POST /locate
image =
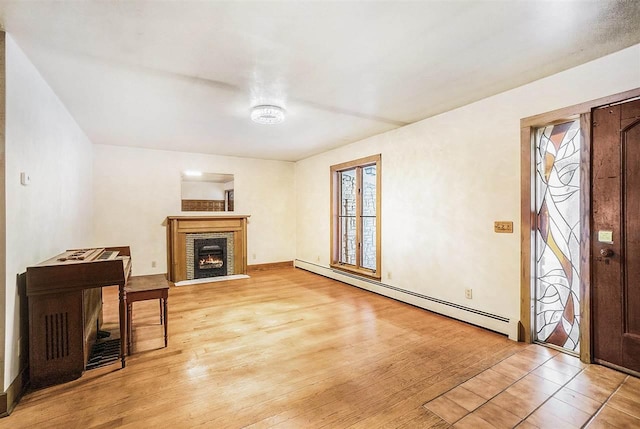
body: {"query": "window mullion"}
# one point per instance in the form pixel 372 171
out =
pixel 338 228
pixel 359 217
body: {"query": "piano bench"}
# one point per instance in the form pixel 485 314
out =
pixel 142 288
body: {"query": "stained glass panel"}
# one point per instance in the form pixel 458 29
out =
pixel 557 269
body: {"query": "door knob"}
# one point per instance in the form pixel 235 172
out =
pixel 607 253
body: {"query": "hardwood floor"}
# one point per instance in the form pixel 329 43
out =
pixel 542 388
pixel 285 348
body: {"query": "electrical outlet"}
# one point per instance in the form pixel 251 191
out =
pixel 468 293
pixel 318 258
pixel 153 264
pixel 253 256
pixel 388 275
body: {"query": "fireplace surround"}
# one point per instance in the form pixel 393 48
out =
pixel 229 233
pixel 216 248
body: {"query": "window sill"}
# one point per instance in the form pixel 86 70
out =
pixel 359 271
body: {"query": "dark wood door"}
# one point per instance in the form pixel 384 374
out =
pixel 615 248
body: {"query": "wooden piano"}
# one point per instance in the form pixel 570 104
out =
pixel 65 313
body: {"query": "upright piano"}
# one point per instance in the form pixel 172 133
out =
pixel 65 313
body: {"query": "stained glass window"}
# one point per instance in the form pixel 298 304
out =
pixel 557 242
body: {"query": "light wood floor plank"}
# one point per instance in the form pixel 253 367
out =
pixel 285 349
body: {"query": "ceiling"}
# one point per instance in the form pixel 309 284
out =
pixel 183 75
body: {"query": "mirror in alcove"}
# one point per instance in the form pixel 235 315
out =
pixel 206 192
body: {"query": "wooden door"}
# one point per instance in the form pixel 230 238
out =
pixel 615 243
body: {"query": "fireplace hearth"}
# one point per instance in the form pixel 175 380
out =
pixel 209 257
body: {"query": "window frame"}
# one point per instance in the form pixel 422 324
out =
pixel 358 165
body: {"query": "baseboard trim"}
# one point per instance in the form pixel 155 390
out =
pixel 493 322
pixel 10 398
pixel 269 266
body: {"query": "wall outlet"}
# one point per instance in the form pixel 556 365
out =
pixel 388 275
pixel 468 293
pixel 153 264
pixel 253 256
pixel 318 258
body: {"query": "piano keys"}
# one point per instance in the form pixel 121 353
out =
pixel 65 312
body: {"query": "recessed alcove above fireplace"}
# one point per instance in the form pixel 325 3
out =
pixel 206 246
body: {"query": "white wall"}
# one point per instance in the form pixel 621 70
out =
pixel 136 189
pixel 54 212
pixel 445 180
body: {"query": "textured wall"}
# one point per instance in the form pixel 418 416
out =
pixel 136 189
pixel 54 212
pixel 445 180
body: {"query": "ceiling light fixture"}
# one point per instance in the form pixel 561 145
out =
pixel 267 114
pixel 191 173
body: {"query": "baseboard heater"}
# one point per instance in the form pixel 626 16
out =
pixel 404 291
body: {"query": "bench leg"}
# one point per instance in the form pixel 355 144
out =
pixel 166 321
pixel 129 327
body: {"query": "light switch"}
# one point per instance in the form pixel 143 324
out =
pixel 25 179
pixel 503 226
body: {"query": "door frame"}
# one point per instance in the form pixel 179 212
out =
pixel 528 224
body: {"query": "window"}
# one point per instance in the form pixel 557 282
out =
pixel 557 236
pixel 355 216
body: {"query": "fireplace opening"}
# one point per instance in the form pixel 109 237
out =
pixel 210 257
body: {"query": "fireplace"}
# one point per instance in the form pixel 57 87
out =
pixel 209 257
pixel 182 231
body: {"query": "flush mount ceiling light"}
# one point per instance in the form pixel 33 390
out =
pixel 267 114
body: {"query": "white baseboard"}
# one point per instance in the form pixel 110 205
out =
pixel 483 319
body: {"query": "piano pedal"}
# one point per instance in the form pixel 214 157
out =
pixel 104 353
pixel 103 334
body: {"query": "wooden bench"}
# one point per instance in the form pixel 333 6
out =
pixel 142 288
